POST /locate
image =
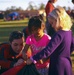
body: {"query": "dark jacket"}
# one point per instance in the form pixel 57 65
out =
pixel 7 56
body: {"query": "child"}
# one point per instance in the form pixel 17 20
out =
pixel 10 53
pixel 26 31
pixel 37 41
pixel 60 46
pixel 49 7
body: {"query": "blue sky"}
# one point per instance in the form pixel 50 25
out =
pixel 4 4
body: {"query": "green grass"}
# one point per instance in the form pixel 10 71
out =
pixel 5 32
pixel 7 27
pixel 2 22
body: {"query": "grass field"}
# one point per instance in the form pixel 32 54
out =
pixel 7 27
pixel 5 31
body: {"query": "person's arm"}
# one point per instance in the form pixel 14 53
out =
pixel 46 52
pixel 4 58
pixel 24 52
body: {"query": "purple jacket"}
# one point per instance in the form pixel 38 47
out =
pixel 59 49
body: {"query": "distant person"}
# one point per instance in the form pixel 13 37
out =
pixel 10 53
pixel 36 41
pixel 49 7
pixel 60 46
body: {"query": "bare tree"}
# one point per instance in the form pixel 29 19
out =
pixel 32 6
pixel 41 6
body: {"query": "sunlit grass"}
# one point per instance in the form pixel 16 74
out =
pixel 2 22
pixel 6 29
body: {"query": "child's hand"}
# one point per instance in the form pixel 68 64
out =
pixel 29 61
pixel 24 55
pixel 20 61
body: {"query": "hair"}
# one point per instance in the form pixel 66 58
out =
pixel 63 20
pixel 15 35
pixel 52 1
pixel 35 21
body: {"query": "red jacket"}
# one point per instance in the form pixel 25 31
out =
pixel 49 7
pixel 7 56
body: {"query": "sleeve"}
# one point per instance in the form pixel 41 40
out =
pixel 50 48
pixel 28 40
pixel 4 62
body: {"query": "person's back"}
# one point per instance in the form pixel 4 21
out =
pixel 49 7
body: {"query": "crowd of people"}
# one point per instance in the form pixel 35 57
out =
pixel 46 53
